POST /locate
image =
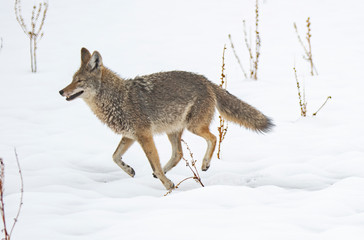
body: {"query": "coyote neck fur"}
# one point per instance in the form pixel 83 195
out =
pixel 109 103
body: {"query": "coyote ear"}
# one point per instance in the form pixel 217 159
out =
pixel 85 56
pixel 95 61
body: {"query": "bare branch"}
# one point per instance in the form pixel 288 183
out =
pixel 222 129
pixel 192 167
pixel 35 33
pixel 257 42
pixel 2 205
pixel 19 17
pixel 329 97
pixel 237 57
pixel 302 101
pixel 307 50
pixel 21 192
pixel 253 56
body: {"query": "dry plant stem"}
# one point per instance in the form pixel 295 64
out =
pixel 35 33
pixel 237 57
pixel 329 97
pixel 1 44
pixel 253 57
pixel 308 38
pixel 302 100
pixel 2 205
pixel 193 169
pixel 222 129
pixel 193 161
pixel 248 46
pixel 21 192
pixel 307 50
pixel 7 235
pixel 257 42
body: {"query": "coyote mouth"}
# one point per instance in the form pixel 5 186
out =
pixel 74 96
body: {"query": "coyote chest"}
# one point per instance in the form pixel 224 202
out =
pixel 110 111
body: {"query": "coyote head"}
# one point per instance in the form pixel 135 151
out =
pixel 87 80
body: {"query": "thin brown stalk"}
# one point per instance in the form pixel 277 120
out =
pixel 237 57
pixel 302 101
pixel 253 55
pixel 35 33
pixel 21 192
pixel 248 47
pixel 257 42
pixel 307 50
pixel 192 167
pixel 222 129
pixel 329 97
pixel 2 204
pixel 7 235
pixel 300 39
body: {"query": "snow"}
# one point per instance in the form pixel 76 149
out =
pixel 304 180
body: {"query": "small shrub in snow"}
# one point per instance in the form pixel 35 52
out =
pixel 253 55
pixel 308 50
pixel 222 127
pixel 301 95
pixel 35 33
pixel 7 234
pixel 191 164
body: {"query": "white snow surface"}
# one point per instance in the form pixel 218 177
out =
pixel 303 180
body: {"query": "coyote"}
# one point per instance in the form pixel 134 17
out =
pixel 165 102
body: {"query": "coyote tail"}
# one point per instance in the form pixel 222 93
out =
pixel 233 109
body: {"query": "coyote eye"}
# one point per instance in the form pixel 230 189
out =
pixel 79 81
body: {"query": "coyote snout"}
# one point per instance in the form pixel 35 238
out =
pixel 166 102
pixel 71 92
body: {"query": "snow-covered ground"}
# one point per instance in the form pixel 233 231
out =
pixel 304 180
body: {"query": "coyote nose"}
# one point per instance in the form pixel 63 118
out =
pixel 61 92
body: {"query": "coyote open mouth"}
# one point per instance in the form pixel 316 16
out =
pixel 74 96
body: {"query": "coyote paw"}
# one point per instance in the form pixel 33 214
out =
pixel 169 185
pixel 131 172
pixel 205 168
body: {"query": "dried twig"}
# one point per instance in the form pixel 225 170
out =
pixel 7 235
pixel 237 57
pixel 222 128
pixel 248 47
pixel 301 97
pixel 2 205
pixel 329 97
pixel 21 192
pixel 35 33
pixel 308 49
pixel 253 56
pixel 257 41
pixel 192 167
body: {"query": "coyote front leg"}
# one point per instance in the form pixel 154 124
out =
pixel 124 144
pixel 150 150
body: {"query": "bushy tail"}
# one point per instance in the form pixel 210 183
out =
pixel 233 109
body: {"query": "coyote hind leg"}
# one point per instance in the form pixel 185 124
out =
pixel 175 139
pixel 211 143
pixel 123 146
